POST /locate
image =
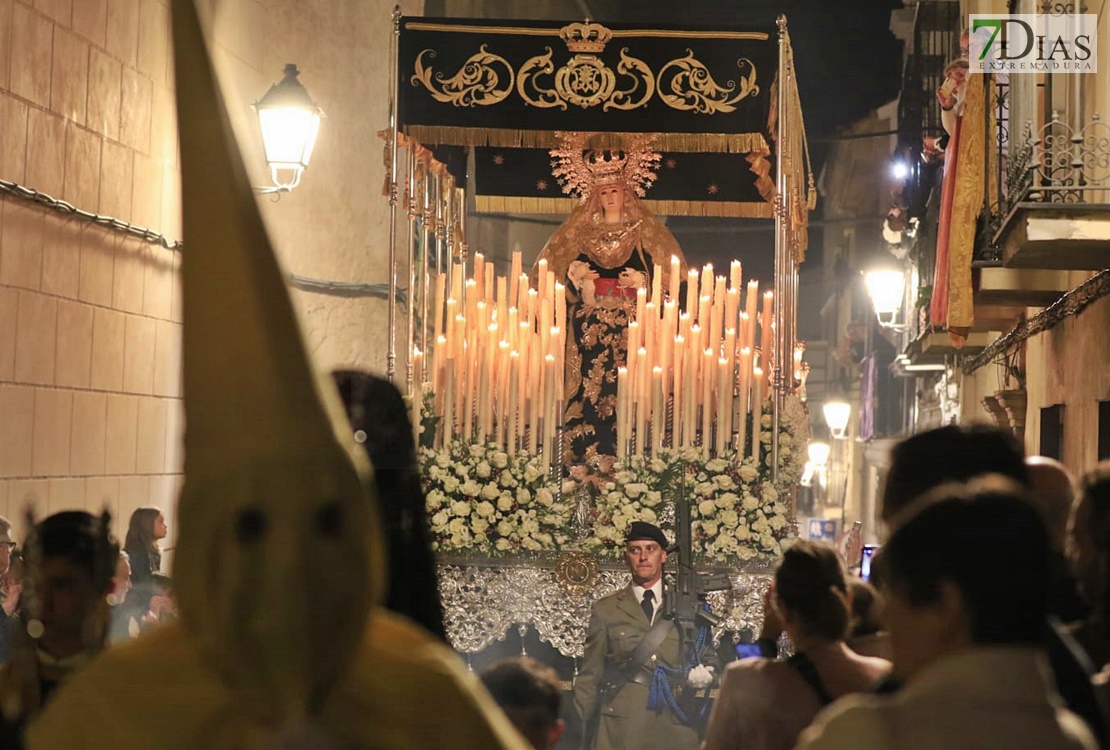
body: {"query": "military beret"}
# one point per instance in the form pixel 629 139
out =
pixel 643 531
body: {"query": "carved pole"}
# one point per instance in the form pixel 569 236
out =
pixel 394 91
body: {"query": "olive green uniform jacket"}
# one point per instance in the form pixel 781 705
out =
pixel 617 625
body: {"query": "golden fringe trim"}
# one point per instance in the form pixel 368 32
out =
pixel 501 204
pixel 735 143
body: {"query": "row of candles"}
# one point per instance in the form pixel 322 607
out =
pixel 692 376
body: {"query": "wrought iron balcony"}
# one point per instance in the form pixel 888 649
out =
pixel 1057 197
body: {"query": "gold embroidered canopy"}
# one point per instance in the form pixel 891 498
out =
pixel 515 84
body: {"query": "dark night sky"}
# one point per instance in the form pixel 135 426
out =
pixel 848 63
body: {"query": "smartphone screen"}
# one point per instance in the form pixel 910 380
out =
pixel 744 650
pixel 865 564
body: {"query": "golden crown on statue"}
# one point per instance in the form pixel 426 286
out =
pixel 580 169
pixel 607 166
pixel 585 37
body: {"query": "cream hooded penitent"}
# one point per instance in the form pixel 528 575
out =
pixel 278 563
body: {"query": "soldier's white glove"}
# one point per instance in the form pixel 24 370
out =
pixel 700 676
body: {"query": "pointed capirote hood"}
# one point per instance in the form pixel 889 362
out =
pixel 279 554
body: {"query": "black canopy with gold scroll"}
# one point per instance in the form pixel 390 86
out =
pixel 518 83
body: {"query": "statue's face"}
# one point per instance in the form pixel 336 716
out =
pixel 612 201
pixel 273 577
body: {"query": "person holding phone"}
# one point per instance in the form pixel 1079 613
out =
pixel 765 704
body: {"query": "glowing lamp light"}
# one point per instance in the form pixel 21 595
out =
pixel 819 453
pixel 837 414
pixel 899 170
pixel 290 122
pixel 886 289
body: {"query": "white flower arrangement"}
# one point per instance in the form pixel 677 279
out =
pixel 483 500
pixel 737 512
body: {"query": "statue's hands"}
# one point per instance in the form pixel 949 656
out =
pixel 630 278
pixel 577 272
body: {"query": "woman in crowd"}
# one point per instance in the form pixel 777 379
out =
pixel 1089 547
pixel 380 421
pixel 146 529
pixel 765 704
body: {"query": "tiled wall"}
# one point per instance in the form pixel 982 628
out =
pixel 90 410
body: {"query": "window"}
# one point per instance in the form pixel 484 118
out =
pixel 1052 431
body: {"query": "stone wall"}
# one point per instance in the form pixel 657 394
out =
pixel 90 409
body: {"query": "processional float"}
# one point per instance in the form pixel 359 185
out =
pixel 709 392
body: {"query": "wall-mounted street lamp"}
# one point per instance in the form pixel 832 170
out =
pixel 290 122
pixel 887 291
pixel 837 414
pixel 819 454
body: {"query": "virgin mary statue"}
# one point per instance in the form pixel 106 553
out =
pixel 605 251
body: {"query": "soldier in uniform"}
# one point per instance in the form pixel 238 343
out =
pixel 613 686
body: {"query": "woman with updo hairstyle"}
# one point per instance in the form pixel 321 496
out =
pixel 765 704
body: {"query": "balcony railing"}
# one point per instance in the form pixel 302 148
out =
pixel 1061 163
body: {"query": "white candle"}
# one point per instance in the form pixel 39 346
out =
pixel 745 374
pixel 757 413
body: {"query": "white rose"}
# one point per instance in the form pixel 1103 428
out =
pixel 523 496
pixel 750 502
pixel 653 497
pixel 743 534
pixel 500 459
pixel 505 502
pixel 710 528
pixel 623 477
pixel 569 486
pixel 484 509
pixel 647 514
pixel 705 488
pixel 503 544
pixel 439 519
pixel 706 507
pixel 767 540
pixel 777 522
pixel 532 472
pixel 435 498
pixel 490 492
pixel 729 519
pixel 507 479
pixel 658 465
pixel 761 526
pixel 482 470
pixel 748 473
pixel 450 485
pixel 460 509
pixel 443 460
pixel 724 481
pixel 544 497
pixel 634 489
pixel 615 498
pixel 716 465
pixel 457 527
pixel 770 494
pixel 746 553
pixel 479 525
pixel 727 500
pixel 505 528
pixel 470 488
